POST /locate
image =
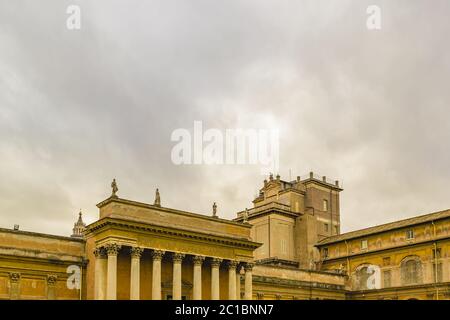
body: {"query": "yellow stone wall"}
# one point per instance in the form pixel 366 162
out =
pixel 40 263
pixel 388 250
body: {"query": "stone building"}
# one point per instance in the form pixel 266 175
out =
pixel 287 246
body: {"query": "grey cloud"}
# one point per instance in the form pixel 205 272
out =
pixel 78 108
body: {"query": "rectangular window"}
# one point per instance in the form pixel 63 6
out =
pixel 437 253
pixel 364 245
pixel 437 277
pixel 409 234
pixel 325 227
pixel 325 205
pixel 336 230
pixel 387 278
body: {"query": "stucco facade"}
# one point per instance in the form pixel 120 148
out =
pixel 287 246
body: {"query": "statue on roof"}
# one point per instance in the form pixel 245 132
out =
pixel 245 216
pixel 214 210
pixel 114 188
pixel 157 198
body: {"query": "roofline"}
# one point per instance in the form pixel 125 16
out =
pixel 329 240
pixel 170 210
pixel 320 182
pixel 43 235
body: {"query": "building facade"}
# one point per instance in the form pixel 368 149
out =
pixel 287 246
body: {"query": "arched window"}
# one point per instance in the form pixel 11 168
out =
pixel 361 277
pixel 411 270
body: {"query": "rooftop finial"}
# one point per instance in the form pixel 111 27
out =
pixel 157 198
pixel 114 188
pixel 271 176
pixel 214 207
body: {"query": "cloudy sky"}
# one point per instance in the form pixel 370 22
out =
pixel 79 107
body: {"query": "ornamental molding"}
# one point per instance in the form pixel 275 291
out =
pixel 167 231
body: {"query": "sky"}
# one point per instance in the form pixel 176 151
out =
pixel 79 107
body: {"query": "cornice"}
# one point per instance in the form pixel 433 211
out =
pixel 168 231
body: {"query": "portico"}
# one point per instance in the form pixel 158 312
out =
pixel 158 253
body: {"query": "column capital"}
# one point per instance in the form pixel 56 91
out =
pixel 14 277
pixel 198 260
pixel 215 262
pixel 112 249
pixel 158 254
pixel 51 279
pixel 177 257
pixel 232 264
pixel 249 266
pixel 100 252
pixel 136 252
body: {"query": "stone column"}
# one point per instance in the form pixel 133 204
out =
pixel 176 281
pixel 135 278
pixel 215 288
pixel 156 280
pixel 112 250
pixel 100 274
pixel 198 261
pixel 232 279
pixel 248 281
pixel 238 282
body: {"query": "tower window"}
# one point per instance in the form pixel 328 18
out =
pixel 437 253
pixel 325 227
pixel 409 234
pixel 325 205
pixel 364 245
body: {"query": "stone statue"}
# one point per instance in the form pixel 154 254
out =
pixel 114 188
pixel 245 216
pixel 157 198
pixel 214 210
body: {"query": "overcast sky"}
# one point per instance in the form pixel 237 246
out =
pixel 80 107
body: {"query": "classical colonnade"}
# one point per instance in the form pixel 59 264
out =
pixel 106 274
